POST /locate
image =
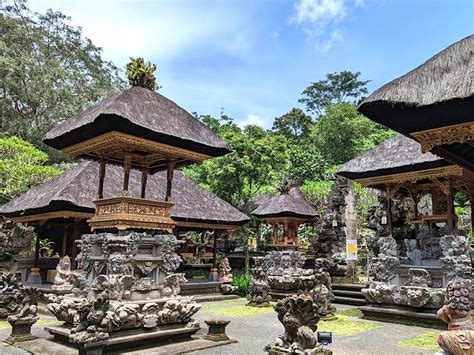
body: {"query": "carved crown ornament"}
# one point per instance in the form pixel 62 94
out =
pixel 431 138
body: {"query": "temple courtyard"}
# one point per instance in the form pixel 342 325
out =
pixel 254 328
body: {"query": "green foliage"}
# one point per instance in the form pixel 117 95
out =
pixel 293 124
pixel 22 166
pixel 48 72
pixel 336 88
pixel 242 282
pixel 365 200
pixel 342 133
pixel 317 193
pixel 141 74
pixel 426 341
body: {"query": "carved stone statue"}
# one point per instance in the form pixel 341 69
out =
pixel 225 274
pixel 27 316
pixel 459 339
pixel 413 253
pixel 456 261
pixel 299 315
pixel 63 272
pixel 259 290
pixel 129 282
pixel 322 293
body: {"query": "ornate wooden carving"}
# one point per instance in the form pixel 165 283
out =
pixel 431 138
pixel 144 152
pixel 131 212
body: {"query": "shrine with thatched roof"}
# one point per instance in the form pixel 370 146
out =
pixel 287 210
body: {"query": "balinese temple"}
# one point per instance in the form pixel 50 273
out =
pixel 432 104
pixel 285 213
pixel 397 166
pixel 60 207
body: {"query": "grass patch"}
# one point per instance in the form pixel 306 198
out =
pixel 427 341
pixel 239 311
pixel 345 326
pixel 351 312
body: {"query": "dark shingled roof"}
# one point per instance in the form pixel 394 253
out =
pixel 140 112
pixel 438 93
pixel 397 154
pixel 75 189
pixel 291 204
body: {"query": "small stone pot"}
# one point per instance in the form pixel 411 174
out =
pixel 216 330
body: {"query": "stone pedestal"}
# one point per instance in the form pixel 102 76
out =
pixel 216 330
pixel 35 277
pixel 21 329
pixel 96 348
pixel 214 274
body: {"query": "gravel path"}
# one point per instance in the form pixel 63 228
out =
pixel 254 332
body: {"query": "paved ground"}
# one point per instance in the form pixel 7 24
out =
pixel 253 332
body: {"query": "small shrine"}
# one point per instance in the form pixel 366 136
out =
pixel 129 262
pixel 285 213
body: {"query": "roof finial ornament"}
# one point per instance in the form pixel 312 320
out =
pixel 141 74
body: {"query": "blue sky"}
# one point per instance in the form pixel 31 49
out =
pixel 254 58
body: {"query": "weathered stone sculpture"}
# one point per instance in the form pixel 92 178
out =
pixel 456 261
pixel 129 283
pixel 259 290
pixel 225 274
pixel 27 316
pixel 322 292
pixel 459 339
pixel 299 315
pixel 285 272
pixel 63 272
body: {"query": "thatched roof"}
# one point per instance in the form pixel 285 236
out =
pixel 140 112
pixel 76 188
pixel 398 154
pixel 438 93
pixel 291 204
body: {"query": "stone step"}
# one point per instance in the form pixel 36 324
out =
pixel 350 294
pixel 349 300
pixel 403 315
pixel 348 287
pixel 214 297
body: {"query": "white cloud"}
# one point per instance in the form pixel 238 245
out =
pixel 157 29
pixel 321 20
pixel 253 120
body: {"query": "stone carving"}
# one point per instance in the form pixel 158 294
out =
pixel 322 293
pixel 227 289
pixel 413 254
pixel 459 339
pixel 299 315
pixel 225 274
pixel 14 241
pixel 285 271
pixel 27 316
pixel 429 239
pixel 63 272
pixel 383 267
pixel 419 277
pixel 456 261
pixel 330 236
pixel 132 284
pixel 259 290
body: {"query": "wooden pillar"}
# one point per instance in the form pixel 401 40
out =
pixel 144 181
pixel 101 178
pixel 450 204
pixel 127 165
pixel 285 233
pixel 389 216
pixel 169 179
pixel 226 244
pixel 64 245
pixel 214 250
pixel 37 251
pixel 75 234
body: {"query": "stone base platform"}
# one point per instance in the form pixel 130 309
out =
pixel 128 338
pixel 402 315
pixel 200 288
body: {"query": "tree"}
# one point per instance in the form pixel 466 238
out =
pixel 48 72
pixel 293 124
pixel 22 167
pixel 336 88
pixel 342 133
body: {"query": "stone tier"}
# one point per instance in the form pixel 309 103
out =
pixel 129 338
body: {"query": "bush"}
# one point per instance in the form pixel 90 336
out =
pixel 242 283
